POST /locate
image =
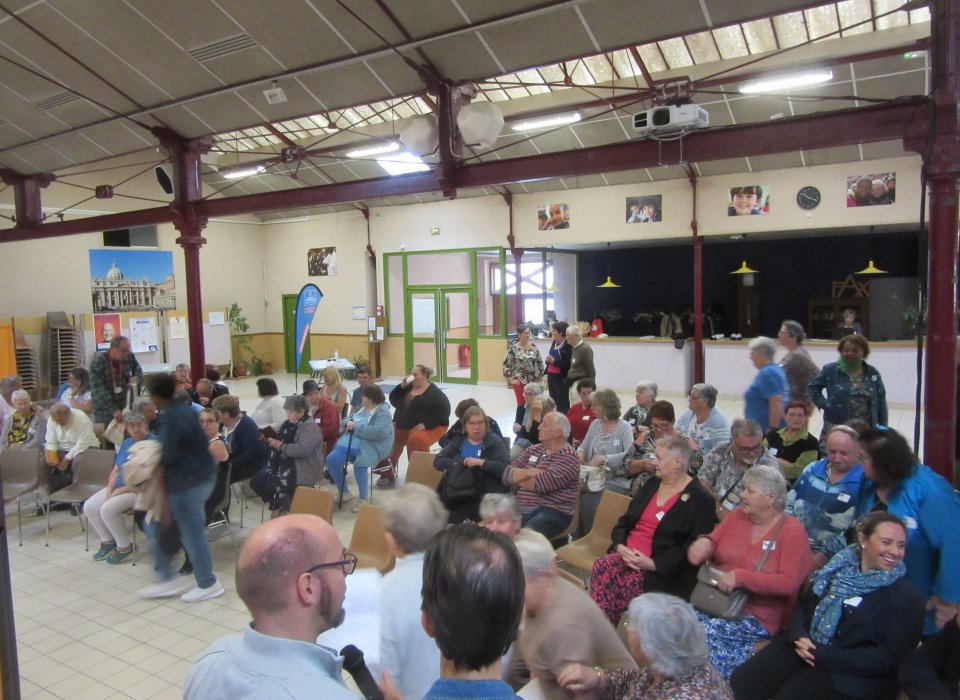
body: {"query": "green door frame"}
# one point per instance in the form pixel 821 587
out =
pixel 289 306
pixel 440 338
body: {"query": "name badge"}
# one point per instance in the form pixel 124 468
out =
pixel 728 505
pixel 632 421
pixel 843 497
pixel 533 459
pixel 773 451
pixel 660 515
pixel 769 545
pixel 911 522
pixel 586 418
pixel 317 421
pixel 853 602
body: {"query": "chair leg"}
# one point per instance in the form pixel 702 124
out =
pixel 46 534
pixel 19 522
pixel 86 533
pixel 133 523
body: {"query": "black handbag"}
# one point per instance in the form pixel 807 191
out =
pixel 59 479
pixel 459 485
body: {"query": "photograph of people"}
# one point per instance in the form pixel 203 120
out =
pixel 643 210
pixel 748 200
pixel 871 190
pixel 553 216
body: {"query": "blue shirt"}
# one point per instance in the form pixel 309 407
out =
pixel 770 381
pixel 468 449
pixel 826 510
pixel 123 454
pixel 455 689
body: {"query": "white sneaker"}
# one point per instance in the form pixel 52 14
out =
pixel 164 589
pixel 198 594
pixel 356 506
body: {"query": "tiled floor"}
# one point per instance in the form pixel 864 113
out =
pixel 83 633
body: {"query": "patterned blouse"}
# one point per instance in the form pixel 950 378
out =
pixel 523 364
pixel 703 683
pixel 19 429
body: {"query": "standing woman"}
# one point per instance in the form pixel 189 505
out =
pixel 766 398
pixel 854 388
pixel 797 364
pixel 421 417
pixel 334 390
pixel 522 365
pixel 558 364
pixel 78 394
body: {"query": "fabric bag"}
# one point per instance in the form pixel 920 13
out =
pixel 711 600
pixel 115 431
pixel 459 485
pixel 592 479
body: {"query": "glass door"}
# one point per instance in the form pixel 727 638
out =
pixel 442 323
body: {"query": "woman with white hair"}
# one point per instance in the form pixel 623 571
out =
pixel 760 549
pixel 25 427
pixel 499 512
pixel 667 639
pixel 768 395
pixel 639 414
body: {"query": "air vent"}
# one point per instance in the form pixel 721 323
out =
pixel 58 100
pixel 224 47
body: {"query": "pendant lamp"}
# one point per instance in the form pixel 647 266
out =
pixel 871 269
pixel 609 284
pixel 743 269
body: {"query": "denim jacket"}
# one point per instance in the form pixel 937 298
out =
pixel 836 407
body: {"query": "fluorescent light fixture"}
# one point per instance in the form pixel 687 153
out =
pixel 402 163
pixel 546 122
pixel 243 172
pixel 784 82
pixel 391 147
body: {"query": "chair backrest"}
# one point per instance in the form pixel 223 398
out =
pixel 612 506
pixel 224 503
pixel 93 467
pixel 420 470
pixel 368 540
pixel 574 522
pixel 314 502
pixel 19 467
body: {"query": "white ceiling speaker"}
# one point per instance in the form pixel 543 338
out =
pixel 480 124
pixel 420 135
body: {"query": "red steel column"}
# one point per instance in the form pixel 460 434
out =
pixel 698 370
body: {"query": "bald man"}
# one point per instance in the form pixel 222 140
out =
pixel 291 575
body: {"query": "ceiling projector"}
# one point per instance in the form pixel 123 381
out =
pixel 671 119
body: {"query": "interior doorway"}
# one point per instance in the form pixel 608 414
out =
pixel 443 331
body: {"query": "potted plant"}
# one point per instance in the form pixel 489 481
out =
pixel 239 327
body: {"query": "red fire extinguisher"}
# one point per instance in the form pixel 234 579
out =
pixel 464 354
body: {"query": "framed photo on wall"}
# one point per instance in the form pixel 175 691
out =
pixel 644 210
pixel 871 190
pixel 553 216
pixel 322 262
pixel 749 200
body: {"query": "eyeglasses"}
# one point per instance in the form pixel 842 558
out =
pixel 347 564
pixel 749 449
pixel 693 397
pixel 660 426
pixel 209 420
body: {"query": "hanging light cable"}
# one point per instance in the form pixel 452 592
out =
pixel 609 284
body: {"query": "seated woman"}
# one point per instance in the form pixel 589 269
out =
pixel 269 412
pixel 581 414
pixel 529 433
pixel 248 452
pixel 473 467
pixel 499 512
pixel 182 377
pixel 371 430
pixel 421 417
pixel 929 505
pixel 530 392
pixel 793 446
pixel 26 426
pixel 78 394
pixel 457 427
pixel 334 390
pixel 104 509
pixel 859 620
pixel 296 455
pixel 639 413
pixel 638 464
pixel 667 641
pixel 649 543
pixel 604 446
pixel 764 552
pixel 210 423
pixel 703 420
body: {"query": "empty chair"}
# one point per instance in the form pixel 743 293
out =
pixel 420 470
pixel 368 540
pixel 91 471
pixel 18 471
pixel 583 552
pixel 307 499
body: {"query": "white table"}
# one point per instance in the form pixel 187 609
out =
pixel 317 366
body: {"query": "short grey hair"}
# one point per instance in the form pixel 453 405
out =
pixel 745 427
pixel 770 481
pixel 59 411
pixel 8 384
pixel 413 517
pixel 708 392
pixel 763 346
pixel 672 637
pixel 794 330
pixel 496 504
pixel 561 420
pixel 606 403
pixel 648 386
pixel 295 402
pixel 676 446
pixel 139 403
pixel 134 417
pixel 575 331
pixel 20 394
pixel 536 552
pixel 535 389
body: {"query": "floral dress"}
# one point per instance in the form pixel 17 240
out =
pixel 282 471
pixel 524 364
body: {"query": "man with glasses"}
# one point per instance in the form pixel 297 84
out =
pixel 723 469
pixel 291 575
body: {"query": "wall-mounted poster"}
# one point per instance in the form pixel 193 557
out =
pixel 106 327
pixel 322 262
pixel 644 210
pixel 553 216
pixel 869 190
pixel 132 280
pixel 748 200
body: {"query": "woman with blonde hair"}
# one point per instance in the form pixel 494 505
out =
pixel 334 390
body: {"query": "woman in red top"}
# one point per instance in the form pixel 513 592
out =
pixel 757 527
pixel 581 415
pixel 649 543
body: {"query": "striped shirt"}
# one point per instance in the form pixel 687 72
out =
pixel 557 487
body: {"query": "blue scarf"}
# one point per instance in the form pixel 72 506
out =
pixel 839 580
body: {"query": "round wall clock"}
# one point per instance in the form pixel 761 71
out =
pixel 808 197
